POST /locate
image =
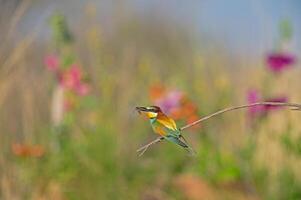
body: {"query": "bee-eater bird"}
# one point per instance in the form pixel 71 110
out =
pixel 164 126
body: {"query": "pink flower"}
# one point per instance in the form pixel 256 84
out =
pixel 254 96
pixel 72 79
pixel 278 62
pixel 170 101
pixel 52 63
pixel 82 89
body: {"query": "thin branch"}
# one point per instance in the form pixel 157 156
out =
pixel 293 106
pixel 145 147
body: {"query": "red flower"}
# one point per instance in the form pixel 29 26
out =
pixel 156 91
pixel 24 150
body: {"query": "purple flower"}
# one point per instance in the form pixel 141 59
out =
pixel 278 62
pixel 171 100
pixel 281 99
pixel 254 96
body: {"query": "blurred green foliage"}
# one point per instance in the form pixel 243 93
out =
pixel 286 29
pixel 60 31
pixel 292 145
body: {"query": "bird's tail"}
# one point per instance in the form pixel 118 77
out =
pixel 181 141
pixel 188 148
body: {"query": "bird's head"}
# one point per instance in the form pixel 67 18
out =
pixel 150 111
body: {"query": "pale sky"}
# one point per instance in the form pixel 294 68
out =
pixel 243 26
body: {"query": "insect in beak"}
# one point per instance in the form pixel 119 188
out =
pixel 141 109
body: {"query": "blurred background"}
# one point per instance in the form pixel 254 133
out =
pixel 72 72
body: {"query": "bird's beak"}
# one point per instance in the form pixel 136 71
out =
pixel 141 109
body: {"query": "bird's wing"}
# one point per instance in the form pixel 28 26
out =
pixel 160 130
pixel 176 141
pixel 183 144
pixel 168 123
